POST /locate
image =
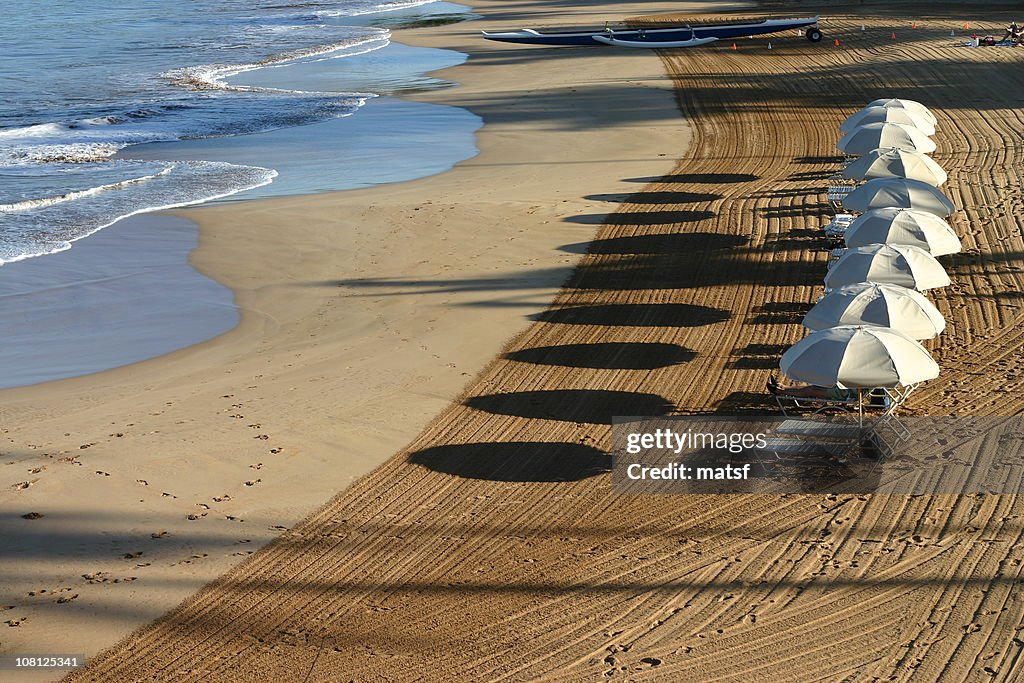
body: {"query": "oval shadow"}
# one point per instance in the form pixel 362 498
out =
pixel 606 356
pixel 522 461
pixel 709 178
pixel 593 406
pixel 670 243
pixel 655 197
pixel 635 315
pixel 641 217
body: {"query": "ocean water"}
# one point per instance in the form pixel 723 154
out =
pixel 84 81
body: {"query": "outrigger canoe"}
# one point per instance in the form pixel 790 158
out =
pixel 661 34
pixel 652 44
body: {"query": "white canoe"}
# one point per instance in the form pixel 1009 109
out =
pixel 652 44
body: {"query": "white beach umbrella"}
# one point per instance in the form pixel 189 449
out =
pixel 863 139
pixel 903 226
pixel 889 264
pixel 878 305
pixel 907 117
pixel 896 103
pixel 896 163
pixel 902 193
pixel 853 357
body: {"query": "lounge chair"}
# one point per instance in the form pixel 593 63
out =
pixel 836 229
pixel 837 193
pixel 877 424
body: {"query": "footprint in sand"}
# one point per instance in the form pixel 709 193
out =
pixel 649 663
pixel 190 560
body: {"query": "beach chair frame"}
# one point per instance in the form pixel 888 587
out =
pixel 837 193
pixel 878 425
pixel 835 230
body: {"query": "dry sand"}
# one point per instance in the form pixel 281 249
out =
pixel 156 478
pixel 493 549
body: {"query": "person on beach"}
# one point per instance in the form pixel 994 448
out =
pixel 1014 33
pixel 809 391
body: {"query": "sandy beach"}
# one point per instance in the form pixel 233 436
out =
pixel 669 206
pixel 155 478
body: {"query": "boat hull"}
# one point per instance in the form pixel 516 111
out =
pixel 655 35
pixel 652 45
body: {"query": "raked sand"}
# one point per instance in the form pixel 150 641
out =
pixel 493 548
pixel 155 478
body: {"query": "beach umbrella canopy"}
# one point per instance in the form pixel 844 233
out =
pixel 853 357
pixel 889 264
pixel 903 226
pixel 896 163
pixel 896 103
pixel 863 139
pixel 902 193
pixel 907 117
pixel 878 305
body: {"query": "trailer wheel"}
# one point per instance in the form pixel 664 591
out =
pixel 814 35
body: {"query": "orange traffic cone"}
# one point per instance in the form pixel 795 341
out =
pixel 967 26
pixel 733 46
pixel 914 25
pixel 894 35
pixel 837 42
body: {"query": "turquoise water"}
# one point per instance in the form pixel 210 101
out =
pixel 390 140
pixel 113 109
pixel 85 83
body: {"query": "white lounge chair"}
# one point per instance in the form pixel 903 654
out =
pixel 877 424
pixel 836 229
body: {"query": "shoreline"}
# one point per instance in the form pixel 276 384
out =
pixel 348 346
pixel 106 286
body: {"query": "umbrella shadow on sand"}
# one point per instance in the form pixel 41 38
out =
pixel 635 315
pixel 516 461
pixel 593 406
pixel 606 356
